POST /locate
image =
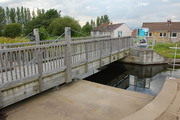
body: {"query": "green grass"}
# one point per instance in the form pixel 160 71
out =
pixel 164 50
pixel 6 40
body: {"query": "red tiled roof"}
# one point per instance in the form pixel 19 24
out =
pixel 162 26
pixel 107 28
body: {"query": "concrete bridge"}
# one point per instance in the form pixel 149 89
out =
pixel 28 69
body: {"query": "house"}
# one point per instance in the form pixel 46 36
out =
pixel 163 31
pixel 114 30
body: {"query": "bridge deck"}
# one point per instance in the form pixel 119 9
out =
pixel 80 100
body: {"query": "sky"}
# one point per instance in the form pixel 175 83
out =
pixel 131 12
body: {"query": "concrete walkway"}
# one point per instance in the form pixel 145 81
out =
pixel 166 106
pixel 80 100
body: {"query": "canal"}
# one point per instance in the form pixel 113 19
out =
pixel 145 79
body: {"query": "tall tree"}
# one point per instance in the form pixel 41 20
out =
pixel 39 12
pixel 25 16
pixel 7 15
pixel 28 14
pixel 13 15
pixel 87 29
pixel 106 19
pixel 43 20
pixel 102 19
pixel 98 21
pixel 2 19
pixel 33 14
pixel 92 24
pixel 42 11
pixel 18 15
pixel 22 15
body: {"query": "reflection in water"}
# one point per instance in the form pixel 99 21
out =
pixel 145 79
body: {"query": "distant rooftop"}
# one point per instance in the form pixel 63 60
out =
pixel 107 28
pixel 162 26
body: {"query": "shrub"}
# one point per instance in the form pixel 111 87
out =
pixel 12 30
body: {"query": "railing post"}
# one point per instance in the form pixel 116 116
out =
pixel 110 50
pixel 100 53
pixel 1 99
pixel 40 69
pixel 87 57
pixel 36 34
pixel 68 57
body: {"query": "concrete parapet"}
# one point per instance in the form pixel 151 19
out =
pixel 144 57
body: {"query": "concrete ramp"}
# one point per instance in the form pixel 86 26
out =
pixel 80 100
pixel 166 106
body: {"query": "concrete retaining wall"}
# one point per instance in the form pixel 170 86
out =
pixel 144 57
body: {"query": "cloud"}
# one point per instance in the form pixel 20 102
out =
pixel 165 0
pixel 132 12
pixel 142 4
pixel 5 1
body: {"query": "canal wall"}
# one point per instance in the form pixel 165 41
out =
pixel 145 57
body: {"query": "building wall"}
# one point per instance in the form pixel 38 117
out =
pixel 126 31
pixel 156 36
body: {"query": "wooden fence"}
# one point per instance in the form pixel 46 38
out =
pixel 22 64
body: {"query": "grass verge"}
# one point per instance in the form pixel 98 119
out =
pixel 164 49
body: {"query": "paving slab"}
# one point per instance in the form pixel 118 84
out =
pixel 79 100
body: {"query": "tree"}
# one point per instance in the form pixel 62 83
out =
pixel 22 15
pixel 102 19
pixel 57 26
pixel 12 30
pixel 43 20
pixel 12 15
pixel 25 16
pixel 43 33
pixel 7 15
pixel 18 14
pixel 87 29
pixel 33 14
pixel 106 19
pixel 2 20
pixel 92 24
pixel 98 22
pixel 28 14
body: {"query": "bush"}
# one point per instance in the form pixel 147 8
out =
pixel 57 25
pixel 12 30
pixel 43 33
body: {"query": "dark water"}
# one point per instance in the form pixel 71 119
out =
pixel 145 79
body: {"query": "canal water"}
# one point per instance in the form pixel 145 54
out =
pixel 145 79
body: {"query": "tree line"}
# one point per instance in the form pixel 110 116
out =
pixel 21 21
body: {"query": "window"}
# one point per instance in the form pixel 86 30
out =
pixel 173 35
pixel 150 34
pixel 162 34
pixel 119 33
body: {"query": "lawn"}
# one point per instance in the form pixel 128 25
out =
pixel 164 49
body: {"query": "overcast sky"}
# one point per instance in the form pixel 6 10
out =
pixel 131 12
